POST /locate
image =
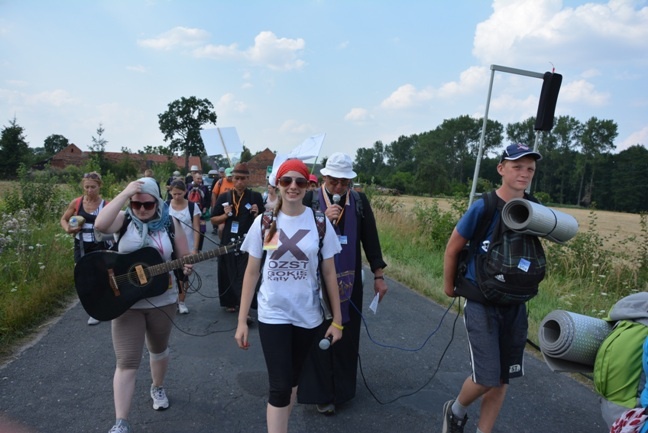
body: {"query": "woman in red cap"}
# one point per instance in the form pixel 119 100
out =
pixel 288 299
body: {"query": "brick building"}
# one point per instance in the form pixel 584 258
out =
pixel 72 155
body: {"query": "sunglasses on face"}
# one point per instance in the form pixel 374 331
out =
pixel 147 205
pixel 286 181
pixel 335 182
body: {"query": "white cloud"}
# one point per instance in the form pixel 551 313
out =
pixel 472 79
pixel 229 103
pixel 357 115
pixel 343 45
pixel 268 51
pixel 219 52
pixel 54 98
pixel 582 91
pixel 276 53
pixel 406 96
pixel 138 68
pixel 291 126
pixel 531 31
pixel 176 37
pixel 637 137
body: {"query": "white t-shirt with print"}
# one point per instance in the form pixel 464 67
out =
pixel 186 222
pixel 289 291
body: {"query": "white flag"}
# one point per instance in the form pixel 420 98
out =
pixel 219 141
pixel 310 148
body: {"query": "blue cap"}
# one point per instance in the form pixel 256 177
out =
pixel 517 151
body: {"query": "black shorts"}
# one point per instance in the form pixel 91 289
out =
pixel 497 337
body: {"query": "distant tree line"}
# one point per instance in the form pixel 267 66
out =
pixel 578 166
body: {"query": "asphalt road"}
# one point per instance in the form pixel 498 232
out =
pixel 414 357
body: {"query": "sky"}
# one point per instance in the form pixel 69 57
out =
pixel 281 71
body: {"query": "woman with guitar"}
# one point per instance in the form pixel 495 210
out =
pixel 289 256
pixel 144 223
pixel 85 210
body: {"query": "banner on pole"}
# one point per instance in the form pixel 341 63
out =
pixel 221 141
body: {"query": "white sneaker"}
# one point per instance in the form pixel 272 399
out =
pixel 93 321
pixel 160 400
pixel 182 308
pixel 121 426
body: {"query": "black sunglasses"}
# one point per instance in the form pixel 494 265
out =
pixel 147 205
pixel 286 181
pixel 335 182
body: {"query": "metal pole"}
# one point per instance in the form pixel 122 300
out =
pixel 508 70
pixel 473 188
pixel 225 148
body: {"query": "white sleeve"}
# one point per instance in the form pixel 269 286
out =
pixel 253 244
pixel 331 245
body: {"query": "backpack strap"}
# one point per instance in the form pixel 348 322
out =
pixel 490 206
pixel 358 203
pixel 192 206
pixel 78 204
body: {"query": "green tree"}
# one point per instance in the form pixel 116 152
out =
pixel 98 149
pixel 597 138
pixel 246 155
pixel 522 132
pixel 182 122
pixel 55 143
pixel 560 158
pixel 14 150
pixel 156 150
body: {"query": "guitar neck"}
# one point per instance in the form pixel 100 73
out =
pixel 169 266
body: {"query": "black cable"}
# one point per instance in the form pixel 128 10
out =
pixel 436 370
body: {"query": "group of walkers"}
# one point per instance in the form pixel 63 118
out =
pixel 300 266
pixel 318 238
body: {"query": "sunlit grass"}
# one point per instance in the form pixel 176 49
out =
pixel 583 276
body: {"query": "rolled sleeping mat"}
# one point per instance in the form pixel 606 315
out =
pixel 569 341
pixel 525 216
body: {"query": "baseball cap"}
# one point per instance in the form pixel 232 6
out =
pixel 517 151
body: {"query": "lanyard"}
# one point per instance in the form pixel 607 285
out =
pixel 236 205
pixel 158 242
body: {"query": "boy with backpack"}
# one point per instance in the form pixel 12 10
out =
pixel 497 331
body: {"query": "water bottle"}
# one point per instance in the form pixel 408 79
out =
pixel 73 222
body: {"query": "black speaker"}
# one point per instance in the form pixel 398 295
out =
pixel 548 98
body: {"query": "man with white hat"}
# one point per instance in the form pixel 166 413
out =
pixel 190 176
pixel 329 376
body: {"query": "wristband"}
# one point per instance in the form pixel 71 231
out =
pixel 335 325
pixel 380 277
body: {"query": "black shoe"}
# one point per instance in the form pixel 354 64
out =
pixel 326 409
pixel 450 422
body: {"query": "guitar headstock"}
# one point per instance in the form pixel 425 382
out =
pixel 234 246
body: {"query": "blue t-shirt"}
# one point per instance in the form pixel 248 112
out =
pixel 467 226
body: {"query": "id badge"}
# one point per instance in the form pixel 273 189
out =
pixel 235 227
pixel 248 206
pixel 342 239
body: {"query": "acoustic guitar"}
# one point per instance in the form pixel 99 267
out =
pixel 108 283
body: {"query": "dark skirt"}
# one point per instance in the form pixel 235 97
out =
pixel 330 376
pixel 231 269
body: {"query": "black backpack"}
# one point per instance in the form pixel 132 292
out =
pixel 512 268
